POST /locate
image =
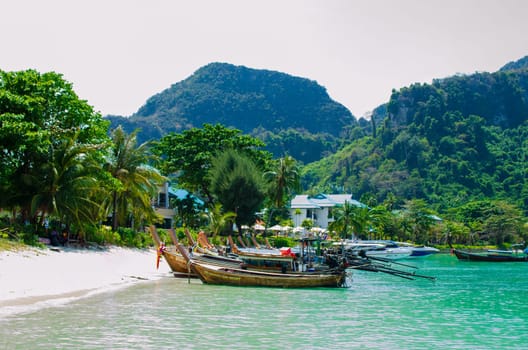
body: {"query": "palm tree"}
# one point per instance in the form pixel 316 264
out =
pixel 360 219
pixel 283 182
pixel 68 184
pixel 135 182
pixel 343 219
pixel 420 219
pixel 218 220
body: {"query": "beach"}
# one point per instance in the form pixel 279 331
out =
pixel 35 278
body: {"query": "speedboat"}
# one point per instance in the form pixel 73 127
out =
pixel 420 250
pixel 391 251
pixel 378 249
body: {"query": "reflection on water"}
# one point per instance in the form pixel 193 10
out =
pixel 471 305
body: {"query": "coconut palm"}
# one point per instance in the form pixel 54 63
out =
pixel 345 219
pixel 135 182
pixel 283 182
pixel 68 184
pixel 218 220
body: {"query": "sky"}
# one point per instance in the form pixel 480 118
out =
pixel 118 53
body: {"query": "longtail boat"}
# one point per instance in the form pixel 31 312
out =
pixel 177 263
pixel 491 256
pixel 263 258
pixel 222 275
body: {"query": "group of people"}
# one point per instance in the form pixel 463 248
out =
pixel 57 239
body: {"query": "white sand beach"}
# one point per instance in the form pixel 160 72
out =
pixel 36 278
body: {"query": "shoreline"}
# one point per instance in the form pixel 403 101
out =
pixel 35 278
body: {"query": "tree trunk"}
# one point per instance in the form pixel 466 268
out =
pixel 114 213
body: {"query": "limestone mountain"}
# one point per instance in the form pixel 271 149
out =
pixel 292 115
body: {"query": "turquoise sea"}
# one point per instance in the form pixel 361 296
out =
pixel 470 306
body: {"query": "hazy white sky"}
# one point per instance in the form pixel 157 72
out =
pixel 118 53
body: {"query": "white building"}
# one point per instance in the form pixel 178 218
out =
pixel 318 208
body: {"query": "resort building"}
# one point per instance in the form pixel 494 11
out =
pixel 163 206
pixel 318 208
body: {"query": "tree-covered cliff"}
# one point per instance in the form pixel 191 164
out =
pixel 457 139
pixel 292 115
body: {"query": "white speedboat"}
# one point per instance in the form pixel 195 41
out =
pixel 391 253
pixel 378 249
pixel 419 251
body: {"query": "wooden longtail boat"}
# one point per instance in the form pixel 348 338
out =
pixel 207 255
pixel 177 263
pixel 264 259
pixel 490 256
pixel 222 275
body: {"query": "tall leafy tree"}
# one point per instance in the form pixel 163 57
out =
pixel 361 220
pixel 419 219
pixel 135 181
pixel 237 184
pixel 191 153
pixel 188 210
pixel 38 114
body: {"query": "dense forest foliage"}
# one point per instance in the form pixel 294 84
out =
pixel 62 170
pixel 439 162
pixel 457 140
pixel 291 115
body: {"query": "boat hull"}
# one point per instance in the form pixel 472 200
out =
pixel 462 255
pixel 389 253
pixel 422 251
pixel 177 263
pixel 211 274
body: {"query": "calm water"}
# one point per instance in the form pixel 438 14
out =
pixel 470 306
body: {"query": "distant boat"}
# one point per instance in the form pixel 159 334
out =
pixel 419 251
pixel 491 256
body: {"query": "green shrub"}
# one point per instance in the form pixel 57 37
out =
pixel 279 242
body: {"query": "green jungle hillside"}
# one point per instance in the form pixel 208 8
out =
pixel 459 139
pixel 291 115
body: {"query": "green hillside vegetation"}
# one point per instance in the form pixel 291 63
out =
pixel 457 140
pixel 455 149
pixel 291 115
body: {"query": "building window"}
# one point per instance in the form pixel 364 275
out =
pixel 162 201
